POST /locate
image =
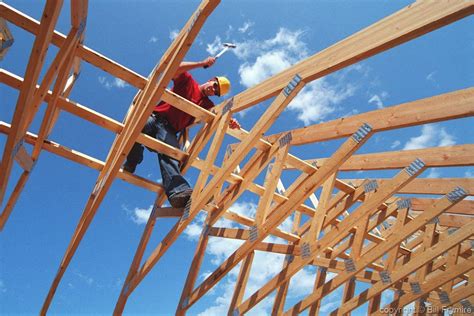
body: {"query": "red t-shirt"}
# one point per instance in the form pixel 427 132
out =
pixel 188 88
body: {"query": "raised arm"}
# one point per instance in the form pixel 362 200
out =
pixel 190 65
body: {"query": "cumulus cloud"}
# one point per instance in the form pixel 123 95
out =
pixel 377 99
pixel 265 58
pixel 319 99
pixel 431 135
pixel 139 215
pixel 115 83
pixel 173 34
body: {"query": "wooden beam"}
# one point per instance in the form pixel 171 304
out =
pixel 442 107
pixel 332 237
pixel 449 156
pixel 33 69
pixel 110 124
pixel 439 186
pixel 133 125
pixel 85 160
pixel 411 22
pixel 416 263
pixel 393 240
pixel 430 285
pixel 465 207
pixel 299 191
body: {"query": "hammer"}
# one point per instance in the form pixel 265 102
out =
pixel 226 48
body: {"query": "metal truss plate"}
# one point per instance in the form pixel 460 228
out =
pixel 228 106
pixel 385 277
pixel 286 139
pixel 186 211
pixel 372 185
pixel 415 287
pixel 253 235
pixel 362 132
pixel 305 250
pixel 349 265
pixel 291 85
pixel 405 203
pixel 466 304
pixel 457 194
pixel 414 167
pixel 444 297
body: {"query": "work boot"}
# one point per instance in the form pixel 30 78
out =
pixel 129 167
pixel 179 199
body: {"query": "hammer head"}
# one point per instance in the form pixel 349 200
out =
pixel 230 45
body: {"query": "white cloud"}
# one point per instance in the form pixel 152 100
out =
pixel 263 59
pixel 266 58
pixel 139 215
pixel 395 144
pixel 173 34
pixel 153 39
pixel 115 83
pixel 264 67
pixel 3 288
pixel 430 136
pixel 469 174
pixel 215 46
pixel 244 28
pixel 378 99
pixel 434 173
pixel 319 99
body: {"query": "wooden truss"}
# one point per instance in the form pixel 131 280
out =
pixel 358 231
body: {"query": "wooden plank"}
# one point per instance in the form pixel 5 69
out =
pixel 394 239
pixel 85 160
pixel 195 267
pixel 102 120
pixel 298 194
pixel 414 264
pixel 123 143
pixel 449 156
pixel 448 106
pixel 271 181
pixel 241 283
pixel 430 285
pixel 331 238
pixel 256 163
pixel 413 21
pixel 33 69
pixel 465 207
pixel 439 186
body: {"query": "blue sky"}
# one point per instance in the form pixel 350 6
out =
pixel 271 35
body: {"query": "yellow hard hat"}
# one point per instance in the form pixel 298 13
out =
pixel 224 85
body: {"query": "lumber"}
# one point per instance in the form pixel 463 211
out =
pixel 448 106
pixel 449 156
pixel 35 63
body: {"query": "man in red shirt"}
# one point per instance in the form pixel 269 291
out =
pixel 166 122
